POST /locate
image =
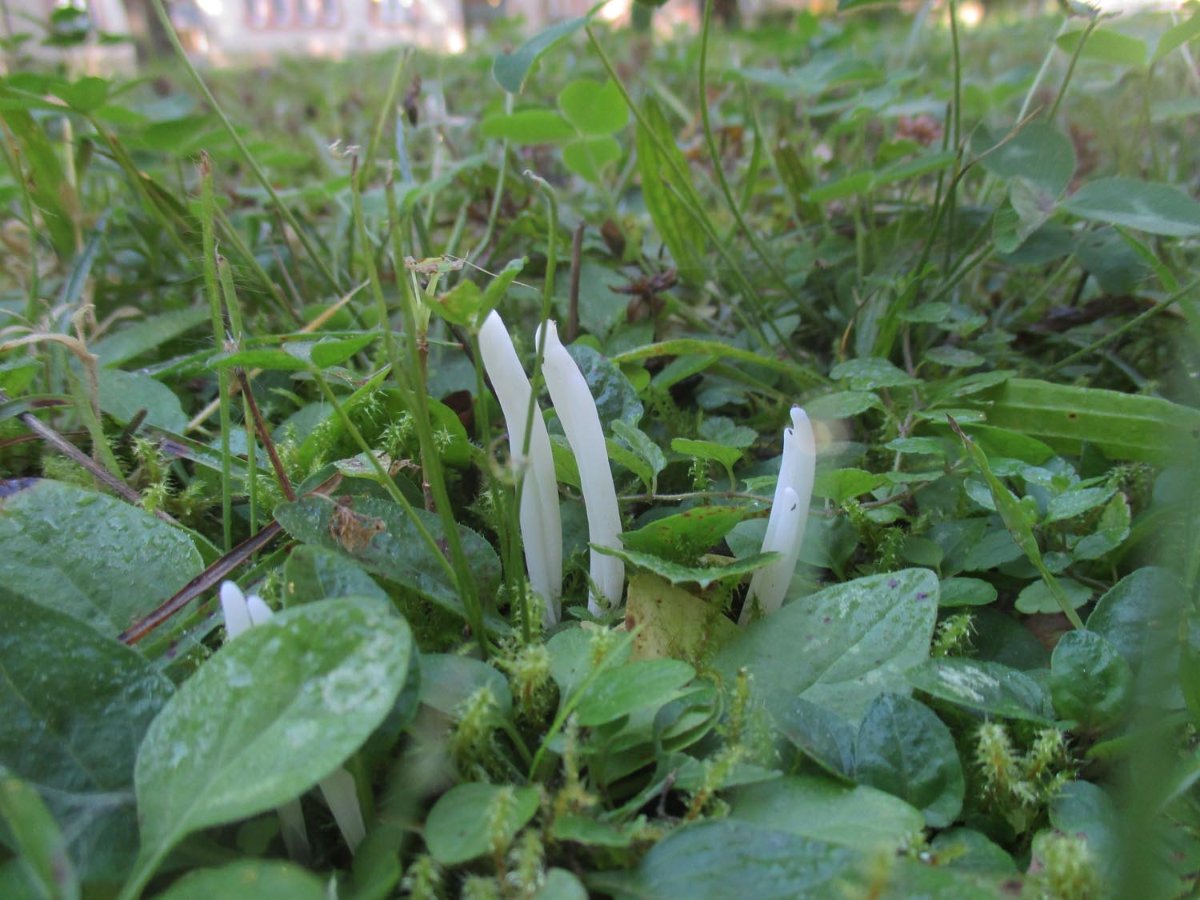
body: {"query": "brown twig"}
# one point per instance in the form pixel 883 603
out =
pixel 69 450
pixel 207 579
pixel 214 574
pixel 264 436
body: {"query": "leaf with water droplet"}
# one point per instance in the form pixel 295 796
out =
pixel 90 555
pixel 267 717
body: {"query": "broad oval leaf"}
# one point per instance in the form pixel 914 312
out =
pixel 511 69
pixel 1145 205
pixel 905 749
pixel 267 717
pixel 467 818
pixel 261 879
pixel 381 537
pixel 593 107
pixel 854 816
pixel 719 860
pixel 988 687
pixel 73 729
pixel 623 689
pixel 90 555
pixel 1089 681
pixel 843 646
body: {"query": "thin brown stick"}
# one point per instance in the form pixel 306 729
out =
pixel 69 450
pixel 264 436
pixel 206 580
pixel 214 574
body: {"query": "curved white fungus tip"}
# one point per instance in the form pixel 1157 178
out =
pixel 576 409
pixel 234 609
pixel 259 611
pixel 789 516
pixel 541 523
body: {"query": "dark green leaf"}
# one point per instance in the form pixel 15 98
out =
pixel 717 860
pixel 905 749
pixel 621 690
pixel 262 721
pixel 1089 681
pixel 382 538
pixel 857 817
pixel 512 69
pixel 258 878
pixel 73 730
pixel 1143 205
pixel 470 820
pixel 684 536
pixel 90 555
pixel 842 646
pixel 681 574
pixel 984 686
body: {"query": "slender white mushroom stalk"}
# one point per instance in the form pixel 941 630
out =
pixel 576 409
pixel 242 613
pixel 541 522
pixel 789 515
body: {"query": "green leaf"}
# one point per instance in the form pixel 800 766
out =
pixel 966 592
pixel 37 840
pixel 588 157
pixel 1035 597
pixel 624 689
pixel 858 817
pixel 1104 45
pixel 869 374
pixel 1019 527
pixel 52 194
pixel 1144 205
pixel 314 573
pixel 843 646
pixel 146 334
pixel 987 687
pixel 1039 153
pixel 75 706
pixel 266 718
pixel 527 126
pixel 684 536
pixel 472 819
pixel 1089 681
pixel 90 555
pixel 681 574
pixel 1123 426
pixel 667 196
pixel 905 749
pixel 382 538
pixel 1110 533
pixel 593 107
pixel 1139 616
pixel 447 681
pixel 646 449
pixel 615 397
pixel 840 485
pixel 1176 36
pixel 707 450
pixel 841 405
pixel 717 860
pixel 124 394
pixel 261 879
pixel 512 69
pixel 84 95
